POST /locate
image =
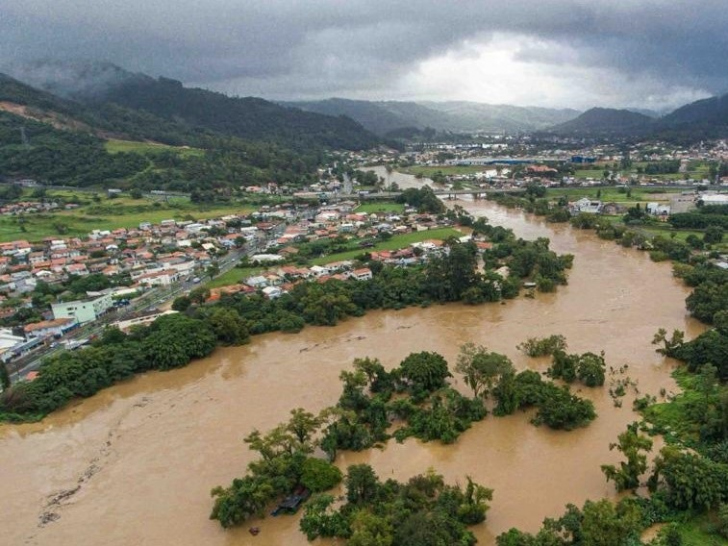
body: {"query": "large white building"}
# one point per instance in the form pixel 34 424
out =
pixel 83 310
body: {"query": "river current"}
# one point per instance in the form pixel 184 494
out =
pixel 135 464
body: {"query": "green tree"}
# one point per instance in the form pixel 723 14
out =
pixel 604 524
pixel 228 326
pixel 424 371
pixel 713 235
pixel 303 425
pixel 634 447
pixel 361 483
pixel 591 369
pixel 181 303
pixel 4 376
pixel 199 295
pixel 368 529
pixel 319 475
pixel 480 368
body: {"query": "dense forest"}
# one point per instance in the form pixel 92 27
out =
pixel 248 118
pixel 75 158
pixel 242 142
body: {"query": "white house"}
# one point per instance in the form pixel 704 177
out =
pixel 56 327
pixel 257 282
pixel 656 209
pixel 272 292
pixel 363 274
pixel 586 205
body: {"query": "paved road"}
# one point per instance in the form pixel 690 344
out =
pixel 152 299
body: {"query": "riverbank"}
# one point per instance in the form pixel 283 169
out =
pixel 153 447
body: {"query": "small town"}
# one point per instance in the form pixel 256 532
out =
pixel 364 273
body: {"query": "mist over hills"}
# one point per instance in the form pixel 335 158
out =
pixel 97 86
pixel 384 117
pixel 109 94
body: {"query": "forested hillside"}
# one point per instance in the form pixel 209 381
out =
pixel 103 87
pixel 62 141
pixel 74 158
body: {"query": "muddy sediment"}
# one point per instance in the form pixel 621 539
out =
pixel 135 463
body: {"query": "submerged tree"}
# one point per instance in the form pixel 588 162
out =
pixel 635 448
pixel 481 369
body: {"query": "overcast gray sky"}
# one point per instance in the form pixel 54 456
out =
pixel 570 53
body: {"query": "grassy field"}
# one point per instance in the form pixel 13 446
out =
pixel 395 243
pixel 701 531
pixel 670 415
pixel 449 170
pixel 376 208
pixel 611 194
pixel 234 276
pixel 667 231
pixel 589 173
pixel 107 214
pixel 114 146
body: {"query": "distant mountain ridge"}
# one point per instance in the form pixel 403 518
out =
pixel 605 122
pixel 384 117
pixel 97 85
pixel 109 97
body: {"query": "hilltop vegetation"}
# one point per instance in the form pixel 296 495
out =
pixel 236 142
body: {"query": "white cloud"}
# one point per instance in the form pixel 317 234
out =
pixel 528 71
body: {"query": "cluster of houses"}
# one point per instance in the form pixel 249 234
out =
pixel 333 221
pixel 683 202
pixel 149 255
pixel 277 281
pixel 30 207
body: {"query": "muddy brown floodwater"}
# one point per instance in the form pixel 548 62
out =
pixel 135 464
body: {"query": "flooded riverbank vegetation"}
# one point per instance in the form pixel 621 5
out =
pixel 686 487
pixel 414 399
pixel 460 273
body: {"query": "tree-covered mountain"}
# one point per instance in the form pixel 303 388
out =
pixel 100 85
pixel 62 141
pixel 699 120
pixel 713 110
pixel 606 122
pixel 389 118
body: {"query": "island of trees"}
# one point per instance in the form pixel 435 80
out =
pixel 412 399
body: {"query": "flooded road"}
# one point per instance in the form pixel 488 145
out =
pixel 135 464
pixel 403 180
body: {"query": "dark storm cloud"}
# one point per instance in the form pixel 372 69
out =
pixel 354 47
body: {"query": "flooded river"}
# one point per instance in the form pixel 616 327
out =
pixel 134 464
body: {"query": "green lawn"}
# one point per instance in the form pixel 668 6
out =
pixel 376 208
pixel 609 194
pixel 395 243
pixel 671 416
pixel 589 173
pixel 234 276
pixel 115 146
